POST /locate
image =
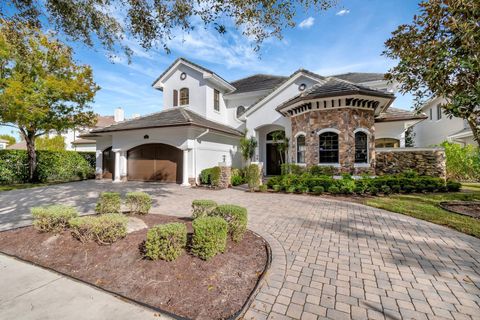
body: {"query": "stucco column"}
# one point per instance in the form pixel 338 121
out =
pixel 123 166
pixel 98 164
pixel 185 169
pixel 116 176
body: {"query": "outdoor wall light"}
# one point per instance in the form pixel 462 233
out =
pixel 146 136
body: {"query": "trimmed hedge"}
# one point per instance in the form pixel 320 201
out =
pixel 138 202
pixel 236 217
pixel 108 202
pixel 209 237
pixel 210 176
pixel 52 166
pixel 52 218
pixel 402 183
pixel 104 229
pixel 166 241
pixel 202 208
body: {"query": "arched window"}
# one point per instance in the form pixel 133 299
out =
pixel 301 149
pixel 240 111
pixel 387 143
pixel 361 147
pixel 184 97
pixel 328 147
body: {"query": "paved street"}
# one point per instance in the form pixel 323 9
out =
pixel 331 259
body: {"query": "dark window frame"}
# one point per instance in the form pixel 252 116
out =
pixel 239 114
pixel 216 100
pixel 301 152
pixel 439 112
pixel 175 98
pixel 361 147
pixel 329 152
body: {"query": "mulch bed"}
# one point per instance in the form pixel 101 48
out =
pixel 188 287
pixel 469 208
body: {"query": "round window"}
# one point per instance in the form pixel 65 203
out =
pixel 183 76
pixel 302 87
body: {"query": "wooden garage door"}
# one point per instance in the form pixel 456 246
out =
pixel 155 162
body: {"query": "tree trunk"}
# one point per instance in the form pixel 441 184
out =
pixel 474 123
pixel 32 156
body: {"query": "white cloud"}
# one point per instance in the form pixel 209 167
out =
pixel 343 12
pixel 307 23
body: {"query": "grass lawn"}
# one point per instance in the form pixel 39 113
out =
pixel 425 207
pixel 8 187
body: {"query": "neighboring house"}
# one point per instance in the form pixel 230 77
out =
pixel 438 127
pixel 72 138
pixel 3 144
pixel 332 121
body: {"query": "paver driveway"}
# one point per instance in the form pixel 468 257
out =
pixel 331 259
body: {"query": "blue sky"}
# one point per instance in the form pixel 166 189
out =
pixel 347 38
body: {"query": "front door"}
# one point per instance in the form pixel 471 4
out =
pixel 274 160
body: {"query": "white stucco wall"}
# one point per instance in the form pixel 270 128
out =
pixel 392 129
pixel 432 132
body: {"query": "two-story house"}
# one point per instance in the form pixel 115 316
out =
pixel 438 127
pixel 330 121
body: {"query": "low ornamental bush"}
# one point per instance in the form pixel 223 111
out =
pixel 277 187
pixel 236 217
pixel 373 190
pixel 291 168
pixel 202 208
pixel 209 237
pixel 52 218
pixel 108 202
pixel 166 241
pixel 386 190
pixel 453 186
pixel 302 189
pixel 138 202
pixel 103 229
pixel 238 177
pixel 333 190
pixel 210 176
pixel 322 170
pixel 318 190
pixel 263 188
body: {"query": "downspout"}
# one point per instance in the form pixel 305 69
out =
pixel 195 152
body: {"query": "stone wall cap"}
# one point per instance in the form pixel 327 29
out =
pixel 411 149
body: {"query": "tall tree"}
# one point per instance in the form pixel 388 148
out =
pixel 11 139
pixel 41 87
pixel 153 22
pixel 439 56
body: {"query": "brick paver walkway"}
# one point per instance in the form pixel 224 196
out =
pixel 340 260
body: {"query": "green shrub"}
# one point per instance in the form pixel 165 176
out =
pixel 210 176
pixel 322 170
pixel 202 208
pixel 236 217
pixel 52 166
pixel 396 188
pixel 333 189
pixel 277 187
pixel 291 168
pixel 453 186
pixel 463 163
pixel 408 188
pixel 273 181
pixel 263 188
pixel 209 236
pixel 410 173
pixel 253 176
pixel 138 202
pixel 108 202
pixel 322 181
pixel 238 177
pixel 291 189
pixel 386 190
pixel 318 190
pixel 52 218
pixel 373 190
pixel 166 241
pixel 346 185
pixel 104 229
pixel 302 189
pixel 359 189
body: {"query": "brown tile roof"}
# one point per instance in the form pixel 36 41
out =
pixel 173 117
pixel 257 82
pixel 360 77
pixel 395 114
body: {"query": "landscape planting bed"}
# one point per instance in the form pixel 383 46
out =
pixel 187 287
pixel 469 208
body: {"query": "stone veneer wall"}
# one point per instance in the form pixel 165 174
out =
pixel 425 161
pixel 345 120
pixel 225 175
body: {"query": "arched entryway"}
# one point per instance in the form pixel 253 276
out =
pixel 108 163
pixel 274 154
pixel 155 162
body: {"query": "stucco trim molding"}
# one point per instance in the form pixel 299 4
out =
pixel 319 132
pixel 362 130
pixel 300 133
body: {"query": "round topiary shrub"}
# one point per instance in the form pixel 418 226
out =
pixel 333 190
pixel 373 190
pixel 108 202
pixel 209 237
pixel 166 241
pixel 359 189
pixel 104 229
pixel 277 187
pixel 138 202
pixel 236 217
pixel 263 188
pixel 386 190
pixel 52 218
pixel 202 208
pixel 317 190
pixel 290 189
